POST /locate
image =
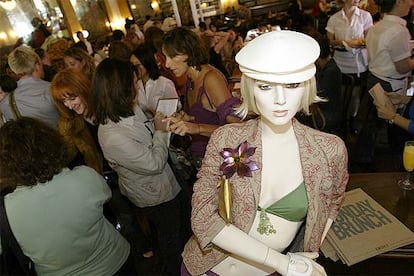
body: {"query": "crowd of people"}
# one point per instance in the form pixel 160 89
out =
pixel 89 163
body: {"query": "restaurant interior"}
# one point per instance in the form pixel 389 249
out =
pixel 97 19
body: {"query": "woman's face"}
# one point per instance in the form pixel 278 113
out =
pixel 76 104
pixel 137 63
pixel 406 6
pixel 135 39
pixel 73 63
pixel 278 102
pixel 178 64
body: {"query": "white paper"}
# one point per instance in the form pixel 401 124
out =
pixel 167 106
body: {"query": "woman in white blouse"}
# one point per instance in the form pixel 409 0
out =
pixel 151 85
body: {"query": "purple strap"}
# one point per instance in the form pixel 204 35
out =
pixel 226 109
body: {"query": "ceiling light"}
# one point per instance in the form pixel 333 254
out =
pixel 8 4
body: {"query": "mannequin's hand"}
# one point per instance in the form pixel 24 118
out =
pixel 302 264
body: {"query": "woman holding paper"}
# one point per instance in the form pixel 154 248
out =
pixel 390 62
pixel 387 111
pixel 151 85
pixel 137 149
pixel 287 181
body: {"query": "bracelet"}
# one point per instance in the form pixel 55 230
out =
pixel 293 260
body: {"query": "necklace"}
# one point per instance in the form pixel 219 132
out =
pixel 265 226
pixel 190 85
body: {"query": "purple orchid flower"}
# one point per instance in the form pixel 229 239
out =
pixel 238 160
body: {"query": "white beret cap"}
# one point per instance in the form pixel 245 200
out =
pixel 279 56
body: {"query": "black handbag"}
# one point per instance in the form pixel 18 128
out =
pixel 180 159
pixel 13 261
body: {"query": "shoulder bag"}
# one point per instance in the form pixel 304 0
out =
pixel 13 106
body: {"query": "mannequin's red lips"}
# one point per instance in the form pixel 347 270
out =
pixel 280 113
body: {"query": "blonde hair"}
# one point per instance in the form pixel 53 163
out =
pixel 22 60
pixel 248 104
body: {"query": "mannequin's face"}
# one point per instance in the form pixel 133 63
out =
pixel 278 102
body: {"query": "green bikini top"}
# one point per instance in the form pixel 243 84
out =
pixel 292 207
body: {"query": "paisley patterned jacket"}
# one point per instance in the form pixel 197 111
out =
pixel 324 164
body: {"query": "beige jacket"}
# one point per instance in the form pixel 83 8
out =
pixel 324 163
pixel 139 153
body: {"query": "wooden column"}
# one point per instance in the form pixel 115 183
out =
pixel 118 10
pixel 71 21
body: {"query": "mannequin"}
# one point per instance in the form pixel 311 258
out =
pixel 291 160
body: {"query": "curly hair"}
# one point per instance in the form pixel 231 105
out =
pixel 182 41
pixel 113 90
pixel 31 152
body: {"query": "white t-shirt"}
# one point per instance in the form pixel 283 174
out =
pixel 355 61
pixel 388 42
pixel 154 90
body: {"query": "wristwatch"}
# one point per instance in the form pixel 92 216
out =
pixel 391 121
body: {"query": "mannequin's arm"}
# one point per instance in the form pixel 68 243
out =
pixel 233 240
